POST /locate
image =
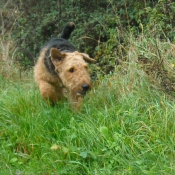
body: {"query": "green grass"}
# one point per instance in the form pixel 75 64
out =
pixel 126 126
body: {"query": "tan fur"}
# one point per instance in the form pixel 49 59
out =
pixel 72 74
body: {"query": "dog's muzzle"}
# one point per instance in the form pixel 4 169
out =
pixel 85 88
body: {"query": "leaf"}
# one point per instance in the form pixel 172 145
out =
pixel 55 147
pixel 13 160
pixel 65 150
pixel 117 137
pixel 172 65
pixel 104 131
pixel 84 154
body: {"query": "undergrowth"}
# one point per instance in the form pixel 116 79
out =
pixel 126 126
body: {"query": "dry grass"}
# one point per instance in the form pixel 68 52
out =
pixel 8 50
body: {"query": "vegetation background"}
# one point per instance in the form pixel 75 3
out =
pixel 126 125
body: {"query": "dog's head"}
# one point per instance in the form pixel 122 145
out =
pixel 72 69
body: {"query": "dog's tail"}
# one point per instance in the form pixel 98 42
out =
pixel 67 30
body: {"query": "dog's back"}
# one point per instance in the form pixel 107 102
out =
pixel 61 43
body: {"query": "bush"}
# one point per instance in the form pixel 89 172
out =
pixel 100 25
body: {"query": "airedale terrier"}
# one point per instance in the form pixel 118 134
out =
pixel 60 66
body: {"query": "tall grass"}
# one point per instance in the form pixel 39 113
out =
pixel 126 125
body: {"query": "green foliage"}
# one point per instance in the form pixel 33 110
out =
pixel 97 22
pixel 126 123
pixel 129 129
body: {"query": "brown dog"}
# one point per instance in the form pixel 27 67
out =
pixel 60 66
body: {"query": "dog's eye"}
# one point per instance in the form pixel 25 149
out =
pixel 71 70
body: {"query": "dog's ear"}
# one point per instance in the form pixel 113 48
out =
pixel 87 58
pixel 56 56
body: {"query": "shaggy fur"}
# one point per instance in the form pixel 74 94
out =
pixel 60 66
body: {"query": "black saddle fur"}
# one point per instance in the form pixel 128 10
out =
pixel 61 43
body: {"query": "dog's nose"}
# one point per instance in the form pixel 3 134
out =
pixel 85 87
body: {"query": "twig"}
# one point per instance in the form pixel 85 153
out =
pixel 86 37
